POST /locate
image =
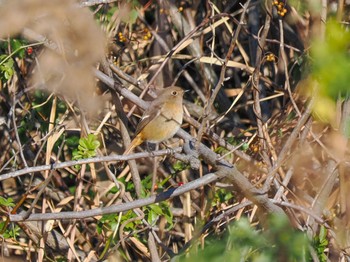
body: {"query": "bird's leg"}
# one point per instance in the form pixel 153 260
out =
pixel 155 169
pixel 149 149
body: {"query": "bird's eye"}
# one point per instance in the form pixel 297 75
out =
pixel 174 93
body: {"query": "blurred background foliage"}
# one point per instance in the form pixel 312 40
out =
pixel 330 67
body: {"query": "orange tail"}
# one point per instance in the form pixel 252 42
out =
pixel 134 143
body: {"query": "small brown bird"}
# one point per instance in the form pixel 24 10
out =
pixel 161 120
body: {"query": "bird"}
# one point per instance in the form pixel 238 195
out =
pixel 161 120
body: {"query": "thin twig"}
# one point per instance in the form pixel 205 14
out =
pixel 220 82
pixel 256 84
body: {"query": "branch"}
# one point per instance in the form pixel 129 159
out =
pixel 173 192
pixel 87 3
pixel 88 161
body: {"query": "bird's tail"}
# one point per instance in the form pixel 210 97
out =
pixel 134 143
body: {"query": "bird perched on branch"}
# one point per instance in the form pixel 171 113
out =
pixel 161 120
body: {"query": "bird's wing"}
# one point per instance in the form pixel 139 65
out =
pixel 148 116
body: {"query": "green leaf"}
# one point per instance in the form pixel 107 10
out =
pixel 113 190
pixel 245 146
pixel 12 232
pixel 17 46
pixel 72 141
pixel 133 16
pixel 156 209
pixel 6 202
pixel 6 67
pixel 323 233
pixel 152 217
pixel 179 166
pixel 87 147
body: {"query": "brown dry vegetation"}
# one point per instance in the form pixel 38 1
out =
pixel 249 146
